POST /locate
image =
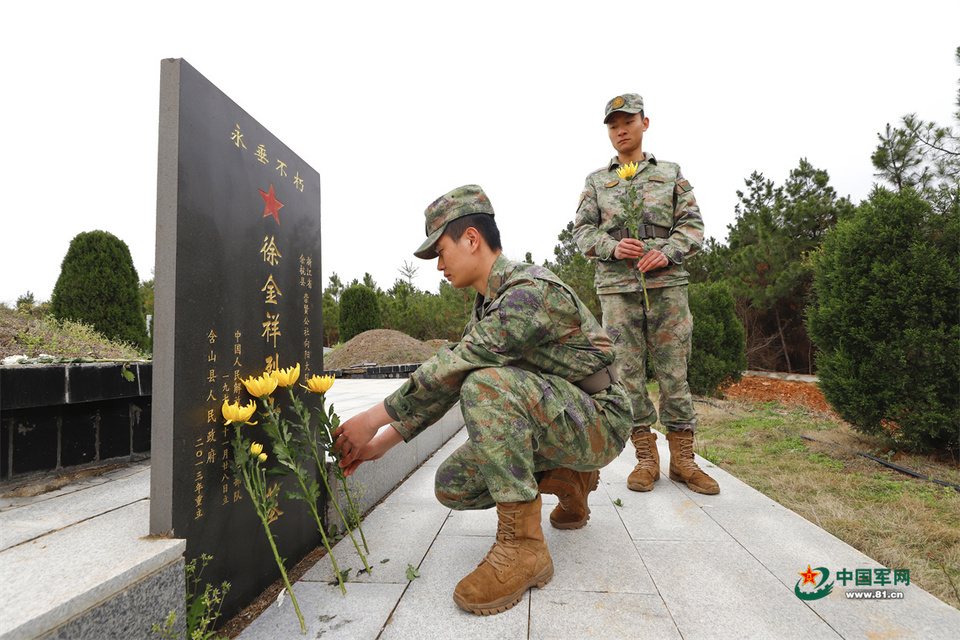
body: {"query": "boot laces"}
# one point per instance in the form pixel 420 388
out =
pixel 644 453
pixel 686 454
pixel 500 556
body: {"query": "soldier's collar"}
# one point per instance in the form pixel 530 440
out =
pixel 499 273
pixel 647 157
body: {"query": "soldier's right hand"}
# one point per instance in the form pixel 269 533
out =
pixel 628 248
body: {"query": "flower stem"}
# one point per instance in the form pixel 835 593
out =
pixel 323 534
pixel 353 506
pixel 646 301
pixel 336 506
pixel 283 572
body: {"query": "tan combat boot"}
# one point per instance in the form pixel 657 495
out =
pixel 572 487
pixel 518 560
pixel 683 468
pixel 647 470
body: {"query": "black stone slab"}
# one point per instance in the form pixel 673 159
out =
pixel 115 427
pixel 34 441
pixel 140 417
pixel 78 433
pixel 237 290
pixel 23 386
pixel 5 447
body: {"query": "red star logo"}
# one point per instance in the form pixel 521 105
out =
pixel 273 205
pixel 809 576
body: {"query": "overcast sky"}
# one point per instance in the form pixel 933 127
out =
pixel 395 103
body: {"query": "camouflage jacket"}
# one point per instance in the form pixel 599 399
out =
pixel 666 200
pixel 528 319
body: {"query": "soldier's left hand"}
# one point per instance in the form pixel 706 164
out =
pixel 652 259
pixel 353 434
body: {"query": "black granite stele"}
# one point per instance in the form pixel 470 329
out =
pixel 237 291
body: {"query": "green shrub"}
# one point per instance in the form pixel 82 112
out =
pixel 331 320
pixel 719 341
pixel 359 311
pixel 884 320
pixel 99 286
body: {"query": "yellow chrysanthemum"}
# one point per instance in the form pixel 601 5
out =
pixel 627 171
pixel 235 412
pixel 260 387
pixel 286 377
pixel 263 457
pixel 319 384
pixel 256 448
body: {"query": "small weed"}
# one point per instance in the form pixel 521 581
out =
pixel 203 608
pixel 412 573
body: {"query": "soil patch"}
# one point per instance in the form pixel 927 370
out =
pixel 378 347
pixel 785 392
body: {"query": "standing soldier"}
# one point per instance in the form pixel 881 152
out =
pixel 534 380
pixel 639 219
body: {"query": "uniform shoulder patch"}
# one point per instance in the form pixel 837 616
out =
pixel 683 186
pixel 612 184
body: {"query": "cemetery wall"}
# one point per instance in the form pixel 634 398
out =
pixel 59 418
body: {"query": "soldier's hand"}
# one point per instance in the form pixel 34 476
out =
pixel 352 435
pixel 628 248
pixel 651 260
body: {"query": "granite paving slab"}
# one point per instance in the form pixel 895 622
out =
pixel 83 565
pixel 31 519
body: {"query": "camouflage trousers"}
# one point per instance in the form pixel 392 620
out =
pixel 520 424
pixel 665 332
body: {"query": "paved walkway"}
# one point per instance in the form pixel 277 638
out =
pixel 666 564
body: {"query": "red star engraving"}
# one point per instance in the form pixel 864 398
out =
pixel 273 205
pixel 809 576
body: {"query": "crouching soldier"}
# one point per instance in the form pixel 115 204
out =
pixel 533 376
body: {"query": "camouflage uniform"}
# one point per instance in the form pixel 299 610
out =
pixel 666 201
pixel 528 338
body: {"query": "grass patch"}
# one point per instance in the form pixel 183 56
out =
pixel 899 521
pixel 31 335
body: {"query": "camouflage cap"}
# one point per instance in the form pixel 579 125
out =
pixel 627 103
pixel 460 202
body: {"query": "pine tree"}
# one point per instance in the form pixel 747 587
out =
pixel 359 311
pixel 884 320
pixel 99 286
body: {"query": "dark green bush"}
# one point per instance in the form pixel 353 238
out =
pixel 886 299
pixel 359 311
pixel 99 286
pixel 718 339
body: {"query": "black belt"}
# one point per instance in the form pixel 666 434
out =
pixel 599 381
pixel 644 231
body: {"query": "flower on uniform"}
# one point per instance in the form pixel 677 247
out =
pixel 256 448
pixel 261 386
pixel 286 377
pixel 319 384
pixel 627 171
pixel 235 412
pixel 262 457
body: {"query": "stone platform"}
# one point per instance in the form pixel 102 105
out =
pixel 670 563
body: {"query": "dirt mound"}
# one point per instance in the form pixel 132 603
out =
pixel 379 347
pixel 763 389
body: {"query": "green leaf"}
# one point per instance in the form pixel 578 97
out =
pixel 412 573
pixel 385 561
pixel 128 375
pixel 618 503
